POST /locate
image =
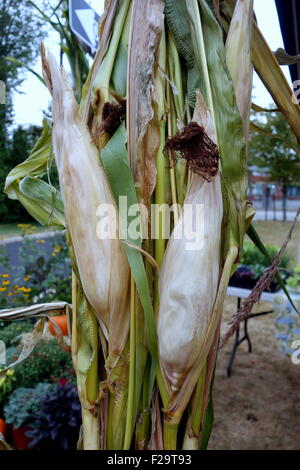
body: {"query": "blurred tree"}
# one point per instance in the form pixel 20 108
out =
pixel 280 153
pixel 23 26
pixel 21 33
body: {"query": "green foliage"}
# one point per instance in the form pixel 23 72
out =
pixel 256 260
pixel 294 280
pixel 40 278
pixel 48 362
pixel 12 330
pixel 16 150
pixel 49 278
pixel 23 402
pixel 6 387
pixel 21 34
pixel 279 154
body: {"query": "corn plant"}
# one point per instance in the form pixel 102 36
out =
pixel 163 122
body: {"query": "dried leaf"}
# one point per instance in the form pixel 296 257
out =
pixel 28 345
pixel 286 59
pixel 273 78
pixel 238 58
pixel 142 128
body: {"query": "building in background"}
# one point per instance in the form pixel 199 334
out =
pixel 268 195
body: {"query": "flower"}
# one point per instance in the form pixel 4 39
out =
pixel 56 250
pixel 24 289
pixel 23 226
pixel 5 283
pixel 2 289
pixel 40 241
pixel 26 278
pixel 5 275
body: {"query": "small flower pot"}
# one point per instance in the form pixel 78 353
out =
pixel 19 439
pixel 3 427
pixel 62 322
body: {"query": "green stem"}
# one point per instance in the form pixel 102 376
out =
pixel 160 189
pixel 178 110
pixel 130 404
pixel 191 439
pixel 172 170
pixel 170 431
pixel 143 427
pixel 102 79
pixel 199 46
pixel 92 375
pixel 118 396
pixel 91 430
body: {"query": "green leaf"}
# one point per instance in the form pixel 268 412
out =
pixel 178 23
pixel 208 424
pixel 21 64
pixel 219 89
pixel 177 19
pixel 115 161
pixel 24 183
pixel 87 366
pixel 119 73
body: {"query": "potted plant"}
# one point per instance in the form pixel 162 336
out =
pixel 253 265
pixel 56 423
pixel 22 403
pixel 62 323
pixel 2 426
pixel 47 363
pixel 6 387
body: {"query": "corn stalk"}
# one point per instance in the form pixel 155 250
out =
pixel 164 118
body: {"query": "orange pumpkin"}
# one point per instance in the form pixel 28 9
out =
pixel 2 426
pixel 61 322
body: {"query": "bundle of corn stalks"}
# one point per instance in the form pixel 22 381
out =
pixel 163 121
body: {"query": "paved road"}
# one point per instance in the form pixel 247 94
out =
pixel 12 245
pixel 261 215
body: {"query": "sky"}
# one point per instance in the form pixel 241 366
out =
pixel 35 97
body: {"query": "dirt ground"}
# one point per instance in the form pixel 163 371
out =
pixel 258 407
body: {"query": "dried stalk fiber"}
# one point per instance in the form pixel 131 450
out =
pixel 102 263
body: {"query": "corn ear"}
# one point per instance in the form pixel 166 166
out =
pixel 102 263
pixel 185 308
pixel 24 183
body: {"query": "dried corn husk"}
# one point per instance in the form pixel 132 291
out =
pixel 102 263
pixel 188 282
